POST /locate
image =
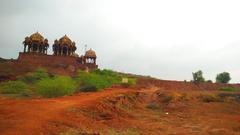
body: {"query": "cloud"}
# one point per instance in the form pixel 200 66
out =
pixel 165 39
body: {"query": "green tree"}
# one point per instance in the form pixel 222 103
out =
pixel 223 77
pixel 209 81
pixel 198 77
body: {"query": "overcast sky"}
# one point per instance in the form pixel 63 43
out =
pixel 167 39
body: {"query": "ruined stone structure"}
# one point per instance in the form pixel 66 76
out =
pixel 90 57
pixel 63 53
pixel 64 46
pixel 36 43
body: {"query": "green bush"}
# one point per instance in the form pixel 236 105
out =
pixel 97 79
pixel 15 87
pixel 34 76
pixel 56 86
pixel 131 82
pixel 229 89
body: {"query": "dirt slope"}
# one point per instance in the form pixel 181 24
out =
pixel 181 85
pixel 124 111
pixel 27 116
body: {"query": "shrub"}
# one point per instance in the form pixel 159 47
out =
pixel 153 106
pixel 34 76
pixel 106 72
pixel 131 81
pixel 15 87
pixel 97 79
pixel 100 79
pixel 210 98
pixel 229 89
pixel 55 87
pixel 229 97
pixel 127 82
pixel 167 98
pixel 88 88
pixel 198 77
pixel 223 77
pixel 176 96
pixel 209 81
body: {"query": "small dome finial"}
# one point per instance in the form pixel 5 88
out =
pixel 90 53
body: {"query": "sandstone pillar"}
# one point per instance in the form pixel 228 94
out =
pixel 24 48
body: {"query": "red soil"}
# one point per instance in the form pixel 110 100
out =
pixel 27 116
pixel 183 86
pixel 101 112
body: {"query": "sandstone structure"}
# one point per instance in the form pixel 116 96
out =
pixel 35 53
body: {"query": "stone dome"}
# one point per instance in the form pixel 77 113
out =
pixel 90 53
pixel 36 43
pixel 64 46
pixel 65 40
pixel 37 37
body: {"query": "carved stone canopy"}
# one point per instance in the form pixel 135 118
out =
pixel 65 41
pixel 90 53
pixel 37 37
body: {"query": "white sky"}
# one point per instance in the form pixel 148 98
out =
pixel 167 39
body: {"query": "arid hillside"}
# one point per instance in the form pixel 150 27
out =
pixel 124 111
pixel 150 107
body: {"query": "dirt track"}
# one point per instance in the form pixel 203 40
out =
pixel 26 117
pixel 99 113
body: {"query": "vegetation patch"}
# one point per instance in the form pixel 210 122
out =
pixel 130 82
pixel 210 98
pixel 223 77
pixel 198 77
pixel 167 98
pixel 33 77
pixel 40 83
pixel 15 87
pixel 56 86
pixel 229 97
pixel 100 79
pixel 229 89
pixel 153 106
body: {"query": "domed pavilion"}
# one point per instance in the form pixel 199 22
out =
pixel 90 57
pixel 36 43
pixel 35 53
pixel 64 46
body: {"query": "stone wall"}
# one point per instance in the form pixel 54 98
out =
pixel 52 61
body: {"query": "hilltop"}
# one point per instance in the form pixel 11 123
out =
pixel 63 97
